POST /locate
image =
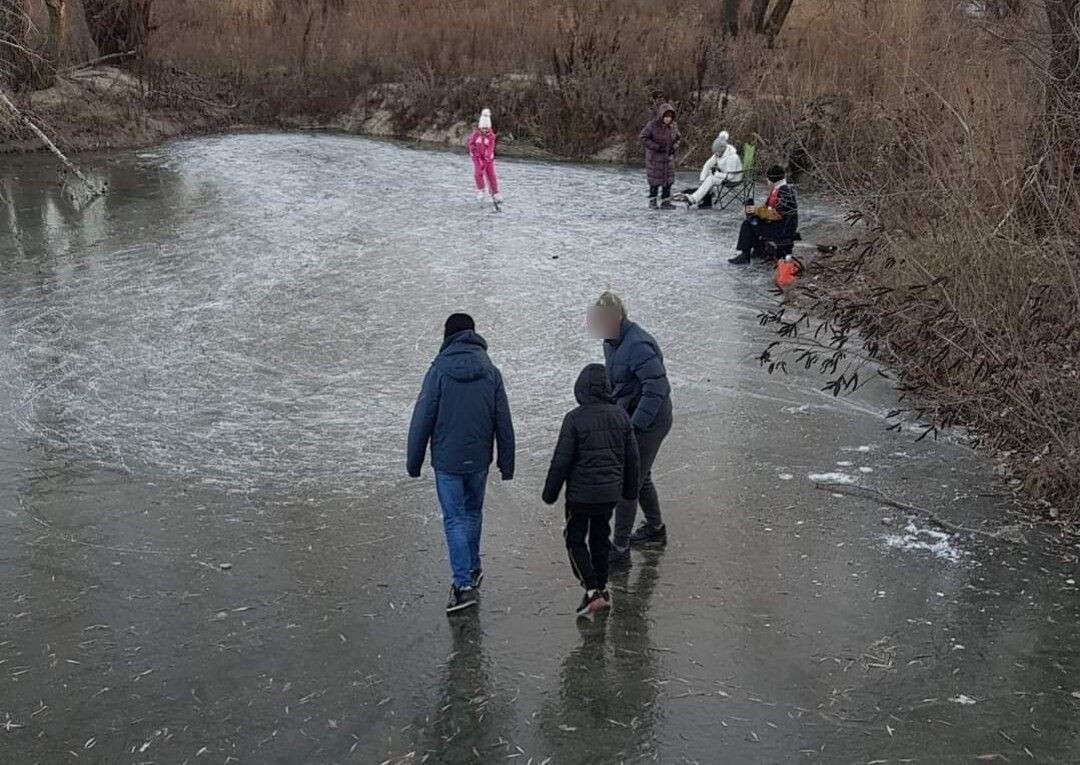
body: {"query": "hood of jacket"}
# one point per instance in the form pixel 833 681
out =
pixel 664 109
pixel 463 356
pixel 720 144
pixel 593 386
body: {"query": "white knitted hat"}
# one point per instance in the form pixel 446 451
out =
pixel 485 119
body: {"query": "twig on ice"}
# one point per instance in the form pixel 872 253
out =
pixel 877 496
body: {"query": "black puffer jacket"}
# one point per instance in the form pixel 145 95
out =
pixel 597 453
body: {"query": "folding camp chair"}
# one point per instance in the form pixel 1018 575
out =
pixel 736 192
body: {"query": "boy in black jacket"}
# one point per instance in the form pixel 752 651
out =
pixel 597 458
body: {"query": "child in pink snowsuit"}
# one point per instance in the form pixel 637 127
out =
pixel 482 150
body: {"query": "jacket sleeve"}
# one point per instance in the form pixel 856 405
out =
pixel 631 467
pixel 650 372
pixel 707 168
pixel 561 462
pixel 646 137
pixel 423 422
pixel 504 432
pixel 785 201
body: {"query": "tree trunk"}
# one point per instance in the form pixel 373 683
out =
pixel 1063 93
pixel 70 41
pixel 759 10
pixel 777 18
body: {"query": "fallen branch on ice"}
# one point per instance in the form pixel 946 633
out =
pixel 877 496
pixel 86 190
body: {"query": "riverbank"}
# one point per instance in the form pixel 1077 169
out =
pixel 108 107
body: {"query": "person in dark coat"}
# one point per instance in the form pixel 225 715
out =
pixel 661 140
pixel 463 412
pixel 635 367
pixel 597 458
pixel 777 219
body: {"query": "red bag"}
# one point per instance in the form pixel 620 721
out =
pixel 786 271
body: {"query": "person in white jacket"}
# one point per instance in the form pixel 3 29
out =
pixel 724 166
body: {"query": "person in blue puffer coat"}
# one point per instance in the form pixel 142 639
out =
pixel 463 412
pixel 635 366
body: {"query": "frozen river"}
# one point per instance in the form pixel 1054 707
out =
pixel 216 364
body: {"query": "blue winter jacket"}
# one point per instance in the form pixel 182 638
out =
pixel 462 410
pixel 639 381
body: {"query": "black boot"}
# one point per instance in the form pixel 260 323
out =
pixel 648 535
pixel 740 258
pixel 618 560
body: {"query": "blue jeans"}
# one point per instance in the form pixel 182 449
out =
pixel 462 500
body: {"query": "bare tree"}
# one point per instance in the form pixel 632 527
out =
pixel 15 51
pixel 69 38
pixel 1063 92
pixel 760 17
pixel 120 26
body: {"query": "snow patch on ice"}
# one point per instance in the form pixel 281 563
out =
pixel 785 476
pixel 844 463
pixel 914 538
pixel 866 470
pixel 831 478
pixel 805 408
pixel 963 698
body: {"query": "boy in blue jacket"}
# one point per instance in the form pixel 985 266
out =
pixel 463 412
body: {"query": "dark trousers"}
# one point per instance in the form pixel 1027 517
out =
pixel 648 446
pixel 665 191
pixel 588 531
pixel 753 230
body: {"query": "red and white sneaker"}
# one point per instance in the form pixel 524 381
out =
pixel 593 602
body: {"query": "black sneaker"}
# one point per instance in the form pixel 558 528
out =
pixel 740 258
pixel 618 560
pixel 590 604
pixel 460 599
pixel 648 534
pixel 477 578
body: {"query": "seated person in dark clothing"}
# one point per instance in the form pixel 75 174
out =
pixel 776 220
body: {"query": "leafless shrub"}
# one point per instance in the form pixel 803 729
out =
pixel 964 276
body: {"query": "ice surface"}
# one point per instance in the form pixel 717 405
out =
pixel 248 319
pixel 240 327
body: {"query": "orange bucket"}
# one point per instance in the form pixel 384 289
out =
pixel 786 271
